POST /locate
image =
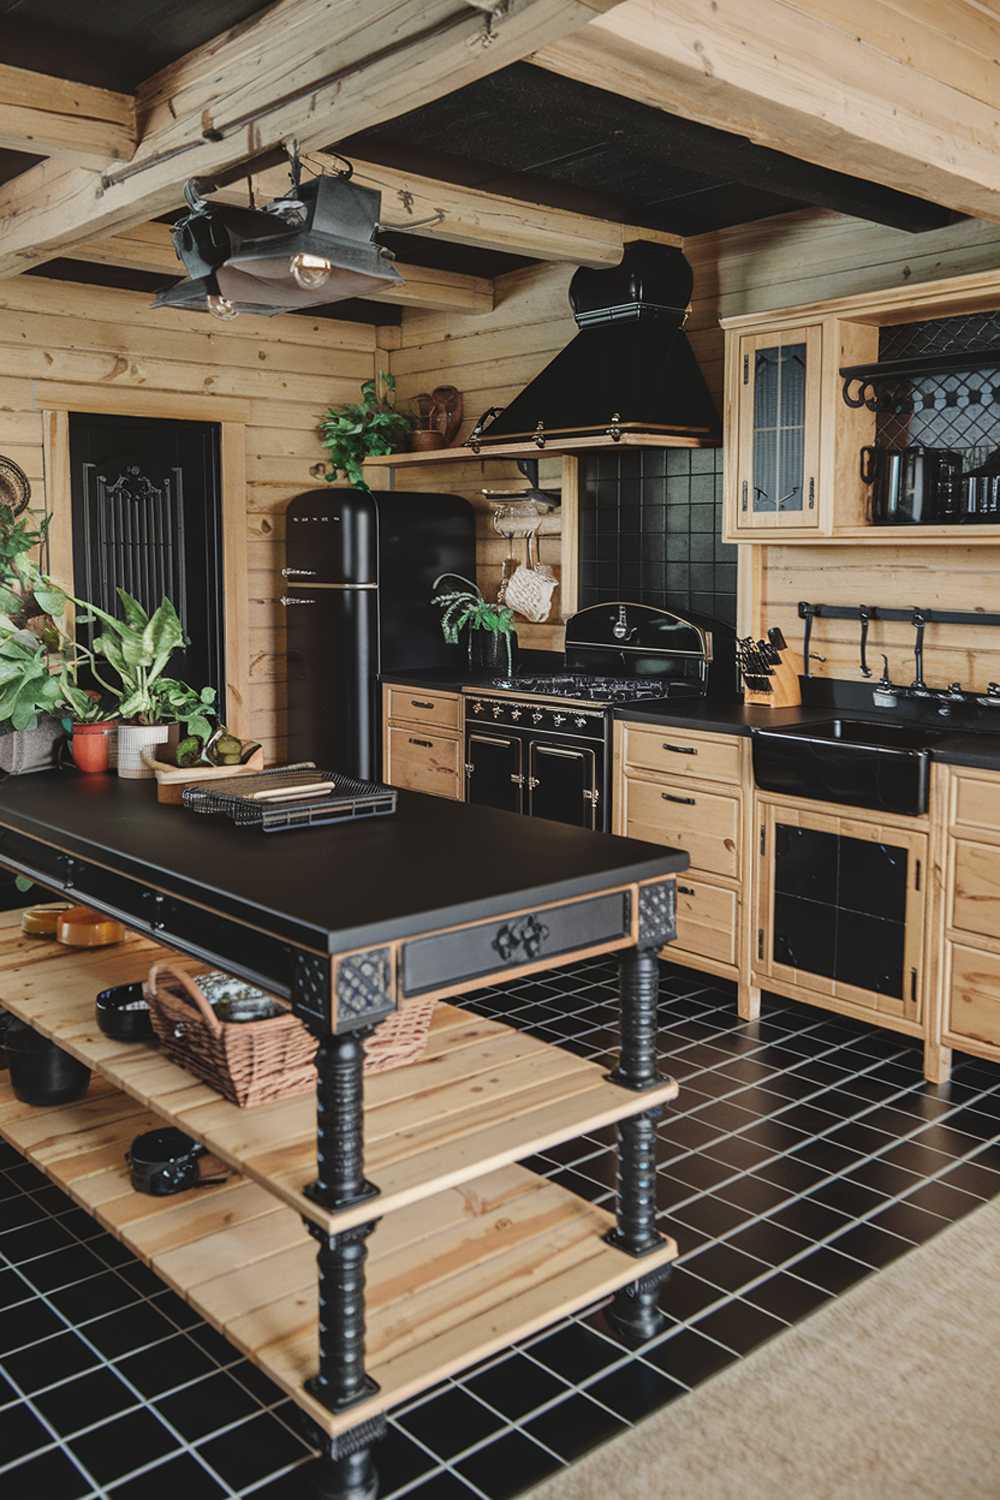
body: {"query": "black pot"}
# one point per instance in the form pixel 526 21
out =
pixel 488 653
pixel 123 1013
pixel 40 1072
pixel 168 1161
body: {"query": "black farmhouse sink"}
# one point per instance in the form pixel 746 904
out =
pixel 885 767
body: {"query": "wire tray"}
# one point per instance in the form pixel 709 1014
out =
pixel 234 799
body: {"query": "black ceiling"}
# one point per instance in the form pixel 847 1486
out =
pixel 116 45
pixel 531 134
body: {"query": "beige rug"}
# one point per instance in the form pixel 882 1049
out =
pixel 888 1393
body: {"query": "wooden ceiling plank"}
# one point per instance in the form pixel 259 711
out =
pixel 54 117
pixel 784 74
pixel 347 67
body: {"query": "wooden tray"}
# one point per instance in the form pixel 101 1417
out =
pixel 171 780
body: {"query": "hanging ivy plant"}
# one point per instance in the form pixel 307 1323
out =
pixel 369 428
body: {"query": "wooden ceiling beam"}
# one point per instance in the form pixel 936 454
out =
pixel 431 209
pixel 864 87
pixel 53 117
pixel 307 70
pixel 148 247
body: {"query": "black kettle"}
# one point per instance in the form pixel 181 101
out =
pixel 907 484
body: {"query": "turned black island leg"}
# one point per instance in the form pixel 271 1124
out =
pixel 343 1021
pixel 634 1310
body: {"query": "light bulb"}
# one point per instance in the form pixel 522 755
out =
pixel 221 307
pixel 310 271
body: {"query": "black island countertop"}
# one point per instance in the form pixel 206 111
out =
pixel 334 888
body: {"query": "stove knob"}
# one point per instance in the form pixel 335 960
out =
pixel 580 722
pixel 515 713
pixel 497 710
pixel 536 717
pixel 558 718
pixel 477 708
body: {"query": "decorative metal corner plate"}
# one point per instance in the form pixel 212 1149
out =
pixel 364 988
pixel 311 988
pixel 657 914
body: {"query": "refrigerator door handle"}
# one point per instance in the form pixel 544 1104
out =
pixel 288 599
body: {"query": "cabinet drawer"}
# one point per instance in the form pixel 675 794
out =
pixel 973 1005
pixel 418 707
pixel 705 824
pixel 976 896
pixel 706 920
pixel 977 801
pixel 680 754
pixel 423 762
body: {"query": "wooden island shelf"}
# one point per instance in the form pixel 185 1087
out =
pixel 380 1233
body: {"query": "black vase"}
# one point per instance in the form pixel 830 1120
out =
pixel 40 1072
pixel 488 653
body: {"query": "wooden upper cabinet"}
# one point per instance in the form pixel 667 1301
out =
pixel 777 412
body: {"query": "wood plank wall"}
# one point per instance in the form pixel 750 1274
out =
pixel 490 359
pixel 286 370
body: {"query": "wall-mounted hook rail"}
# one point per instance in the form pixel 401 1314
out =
pixel 915 616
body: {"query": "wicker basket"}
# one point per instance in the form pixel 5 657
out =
pixel 255 1062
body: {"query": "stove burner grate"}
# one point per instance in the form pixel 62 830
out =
pixel 596 688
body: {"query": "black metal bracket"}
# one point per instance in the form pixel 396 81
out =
pixel 916 616
pixel 867 378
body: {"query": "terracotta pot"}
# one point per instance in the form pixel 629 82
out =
pixel 91 745
pixel 425 440
pixel 133 739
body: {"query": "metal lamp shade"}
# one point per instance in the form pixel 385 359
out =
pixel 245 255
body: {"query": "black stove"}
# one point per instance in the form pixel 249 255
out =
pixel 540 744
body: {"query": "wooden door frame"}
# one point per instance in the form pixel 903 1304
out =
pixel 231 416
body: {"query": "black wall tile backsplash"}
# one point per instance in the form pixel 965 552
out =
pixel 651 528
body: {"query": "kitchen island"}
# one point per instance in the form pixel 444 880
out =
pixel 348 922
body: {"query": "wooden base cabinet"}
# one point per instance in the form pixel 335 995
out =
pixel 967 1013
pixel 422 741
pixel 841 901
pixel 688 788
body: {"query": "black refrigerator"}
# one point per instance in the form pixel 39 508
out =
pixel 359 574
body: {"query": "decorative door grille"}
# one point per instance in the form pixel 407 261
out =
pixel 134 537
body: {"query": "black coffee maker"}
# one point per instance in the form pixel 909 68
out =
pixel 910 486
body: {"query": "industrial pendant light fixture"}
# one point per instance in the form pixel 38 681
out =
pixel 313 245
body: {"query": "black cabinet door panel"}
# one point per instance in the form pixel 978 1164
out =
pixel 562 785
pixel 494 776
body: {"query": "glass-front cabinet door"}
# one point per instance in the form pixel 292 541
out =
pixel 842 908
pixel 779 417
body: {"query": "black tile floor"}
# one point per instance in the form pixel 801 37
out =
pixel 804 1153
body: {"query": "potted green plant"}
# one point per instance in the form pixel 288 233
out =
pixel 492 639
pixel 30 647
pixel 369 428
pixel 151 706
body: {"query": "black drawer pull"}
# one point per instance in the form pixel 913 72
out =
pixel 686 890
pixel 669 797
pixel 426 744
pixel 680 749
pixel 420 703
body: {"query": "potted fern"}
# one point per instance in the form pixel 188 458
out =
pixel 492 639
pixel 369 428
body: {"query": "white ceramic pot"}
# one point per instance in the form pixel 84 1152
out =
pixel 133 739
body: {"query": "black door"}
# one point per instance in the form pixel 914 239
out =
pixel 147 518
pixel 494 772
pixel 333 676
pixel 562 784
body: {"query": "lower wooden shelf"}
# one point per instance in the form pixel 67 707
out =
pixel 451 1279
pixel 482 1096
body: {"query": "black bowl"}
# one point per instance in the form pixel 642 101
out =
pixel 123 1013
pixel 40 1072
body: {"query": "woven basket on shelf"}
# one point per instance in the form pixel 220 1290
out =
pixel 255 1062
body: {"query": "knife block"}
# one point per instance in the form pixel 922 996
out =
pixel 786 689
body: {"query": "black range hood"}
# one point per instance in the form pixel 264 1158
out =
pixel 630 368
